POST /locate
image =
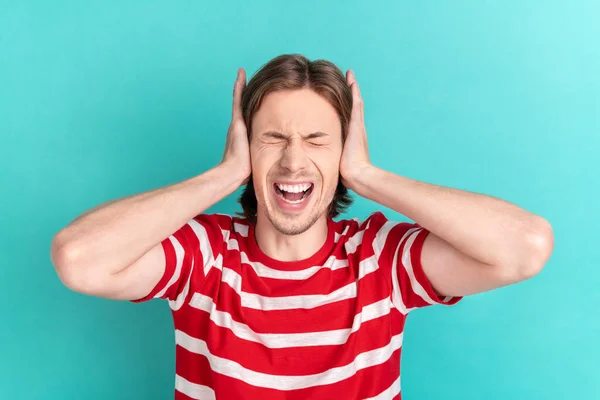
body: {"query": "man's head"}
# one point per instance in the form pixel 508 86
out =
pixel 296 112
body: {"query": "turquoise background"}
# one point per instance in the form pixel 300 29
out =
pixel 99 100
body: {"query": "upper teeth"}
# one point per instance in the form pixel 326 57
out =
pixel 293 188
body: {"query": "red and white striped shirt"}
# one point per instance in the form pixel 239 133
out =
pixel 327 327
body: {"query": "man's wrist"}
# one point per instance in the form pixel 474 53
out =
pixel 363 178
pixel 233 172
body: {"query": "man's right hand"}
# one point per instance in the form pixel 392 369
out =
pixel 237 148
pixel 115 250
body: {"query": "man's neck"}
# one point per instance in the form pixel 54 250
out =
pixel 290 247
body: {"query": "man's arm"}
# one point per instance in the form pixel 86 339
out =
pixel 114 250
pixel 476 242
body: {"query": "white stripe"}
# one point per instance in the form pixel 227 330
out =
pixel 378 243
pixel 178 302
pixel 396 295
pixel 337 236
pixel 262 270
pixel 241 229
pixel 258 302
pixel 381 236
pixel 233 279
pixel 288 382
pixel 353 242
pixel 266 272
pixel 179 253
pixel 416 286
pixel 288 302
pixel 287 340
pixel 388 393
pixel 193 390
pixel 232 244
pixel 309 301
pixel 207 256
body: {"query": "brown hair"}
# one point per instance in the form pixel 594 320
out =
pixel 291 72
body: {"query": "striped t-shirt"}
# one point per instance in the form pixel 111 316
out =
pixel 248 326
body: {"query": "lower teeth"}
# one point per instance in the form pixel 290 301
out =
pixel 304 196
pixel 295 201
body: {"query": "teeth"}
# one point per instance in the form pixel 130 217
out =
pixel 293 188
pixel 294 201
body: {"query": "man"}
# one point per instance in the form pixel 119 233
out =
pixel 286 302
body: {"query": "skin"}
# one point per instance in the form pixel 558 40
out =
pixel 476 242
pixel 283 150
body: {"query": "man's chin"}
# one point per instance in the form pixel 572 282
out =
pixel 292 224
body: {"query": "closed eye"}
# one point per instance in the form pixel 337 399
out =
pixel 318 138
pixel 274 137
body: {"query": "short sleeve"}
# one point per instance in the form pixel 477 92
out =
pixel 398 246
pixel 189 254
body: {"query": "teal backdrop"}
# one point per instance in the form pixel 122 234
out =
pixel 100 100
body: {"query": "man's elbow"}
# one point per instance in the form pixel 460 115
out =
pixel 64 257
pixel 540 245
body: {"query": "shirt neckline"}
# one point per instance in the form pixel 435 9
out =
pixel 316 259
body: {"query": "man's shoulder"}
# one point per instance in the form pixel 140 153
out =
pixel 368 221
pixel 361 228
pixel 375 226
pixel 223 223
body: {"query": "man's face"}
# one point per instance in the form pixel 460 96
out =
pixel 295 149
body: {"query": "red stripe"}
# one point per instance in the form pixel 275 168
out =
pixel 364 383
pixel 415 258
pixel 301 360
pixel 181 396
pixel 222 342
pixel 337 315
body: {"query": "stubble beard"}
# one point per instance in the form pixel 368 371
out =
pixel 293 225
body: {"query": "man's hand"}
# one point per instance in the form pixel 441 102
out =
pixel 475 243
pixel 355 155
pixel 237 148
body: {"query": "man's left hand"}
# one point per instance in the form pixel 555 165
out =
pixel 355 154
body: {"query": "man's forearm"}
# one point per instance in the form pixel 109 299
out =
pixel 488 229
pixel 115 234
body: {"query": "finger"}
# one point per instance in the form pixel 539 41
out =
pixel 357 102
pixel 238 87
pixel 353 83
pixel 350 77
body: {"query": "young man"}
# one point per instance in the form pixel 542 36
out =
pixel 286 303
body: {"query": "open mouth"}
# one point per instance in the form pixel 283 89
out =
pixel 293 194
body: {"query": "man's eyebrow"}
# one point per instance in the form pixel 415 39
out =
pixel 316 135
pixel 279 135
pixel 274 134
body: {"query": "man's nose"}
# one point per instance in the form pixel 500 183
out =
pixel 293 157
